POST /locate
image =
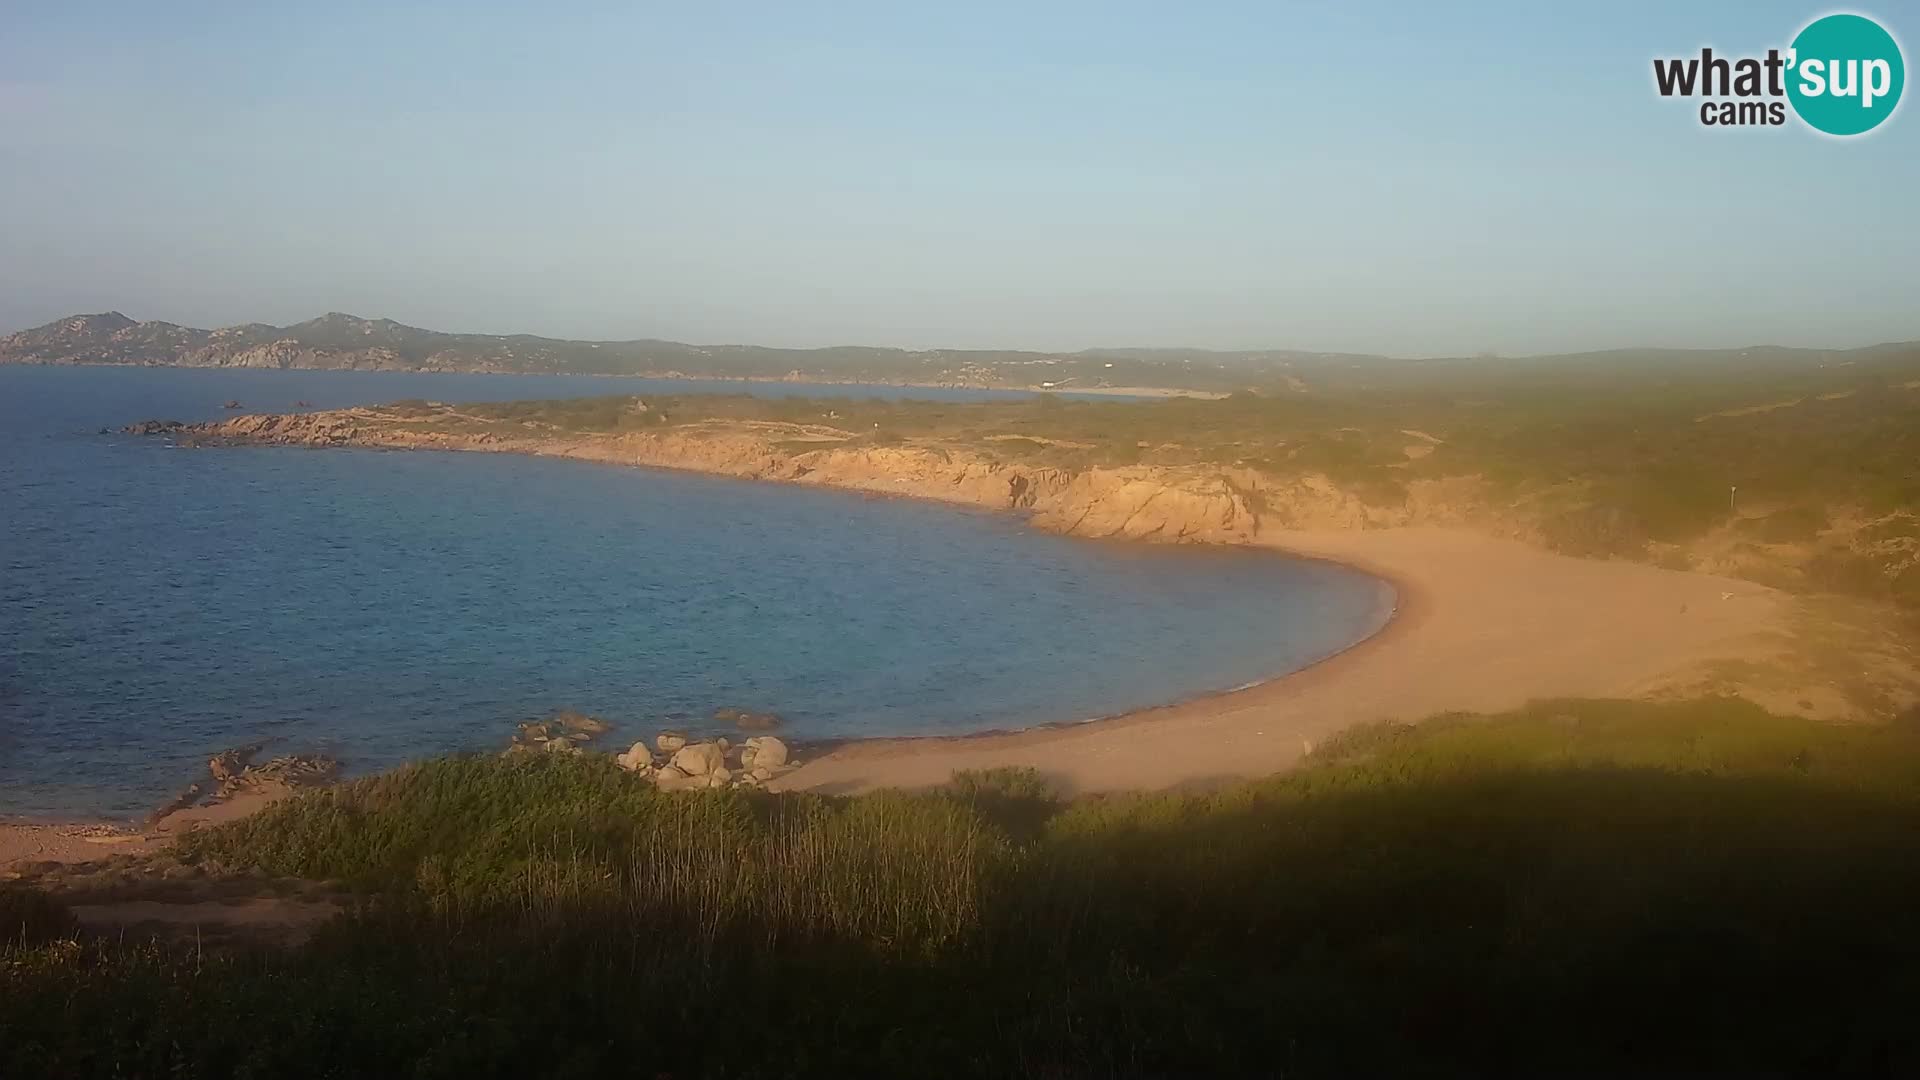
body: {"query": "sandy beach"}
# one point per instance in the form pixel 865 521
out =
pixel 28 842
pixel 1480 624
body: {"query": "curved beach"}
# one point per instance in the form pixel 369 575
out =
pixel 1481 624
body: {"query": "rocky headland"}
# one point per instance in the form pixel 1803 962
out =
pixel 1173 504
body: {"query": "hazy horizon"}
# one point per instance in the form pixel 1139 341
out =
pixel 1109 347
pixel 1387 179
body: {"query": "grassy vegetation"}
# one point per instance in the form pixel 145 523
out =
pixel 1575 887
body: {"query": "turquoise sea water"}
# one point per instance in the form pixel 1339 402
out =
pixel 160 604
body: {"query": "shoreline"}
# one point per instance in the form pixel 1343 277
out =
pixel 1418 664
pixel 31 839
pixel 1460 604
pixel 1401 605
pixel 26 841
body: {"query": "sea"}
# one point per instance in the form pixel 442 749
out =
pixel 160 604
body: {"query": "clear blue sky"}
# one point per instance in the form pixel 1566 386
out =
pixel 1382 177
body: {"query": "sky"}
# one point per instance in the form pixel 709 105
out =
pixel 1407 178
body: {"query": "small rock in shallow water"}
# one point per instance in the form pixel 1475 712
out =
pixel 574 723
pixel 748 721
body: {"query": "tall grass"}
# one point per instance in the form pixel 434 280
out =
pixel 1574 887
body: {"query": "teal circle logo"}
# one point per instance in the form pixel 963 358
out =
pixel 1845 74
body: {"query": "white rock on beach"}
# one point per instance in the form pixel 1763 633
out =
pixel 669 741
pixel 669 778
pixel 763 751
pixel 637 758
pixel 699 759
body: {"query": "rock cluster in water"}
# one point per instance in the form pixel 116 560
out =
pixel 231 772
pixel 154 427
pixel 564 732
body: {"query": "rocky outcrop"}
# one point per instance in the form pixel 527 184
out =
pixel 1210 504
pixel 1149 503
pixel 281 773
pixel 229 773
pixel 229 764
pixel 702 766
pixel 563 732
pixel 154 427
pixel 1159 503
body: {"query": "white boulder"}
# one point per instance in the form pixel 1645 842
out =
pixel 699 759
pixel 763 751
pixel 668 778
pixel 636 759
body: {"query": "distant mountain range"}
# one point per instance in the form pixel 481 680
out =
pixel 348 342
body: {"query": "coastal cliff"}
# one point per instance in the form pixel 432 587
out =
pixel 1174 505
pixel 1161 503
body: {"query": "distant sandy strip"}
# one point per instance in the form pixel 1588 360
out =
pixel 1483 624
pixel 1130 391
